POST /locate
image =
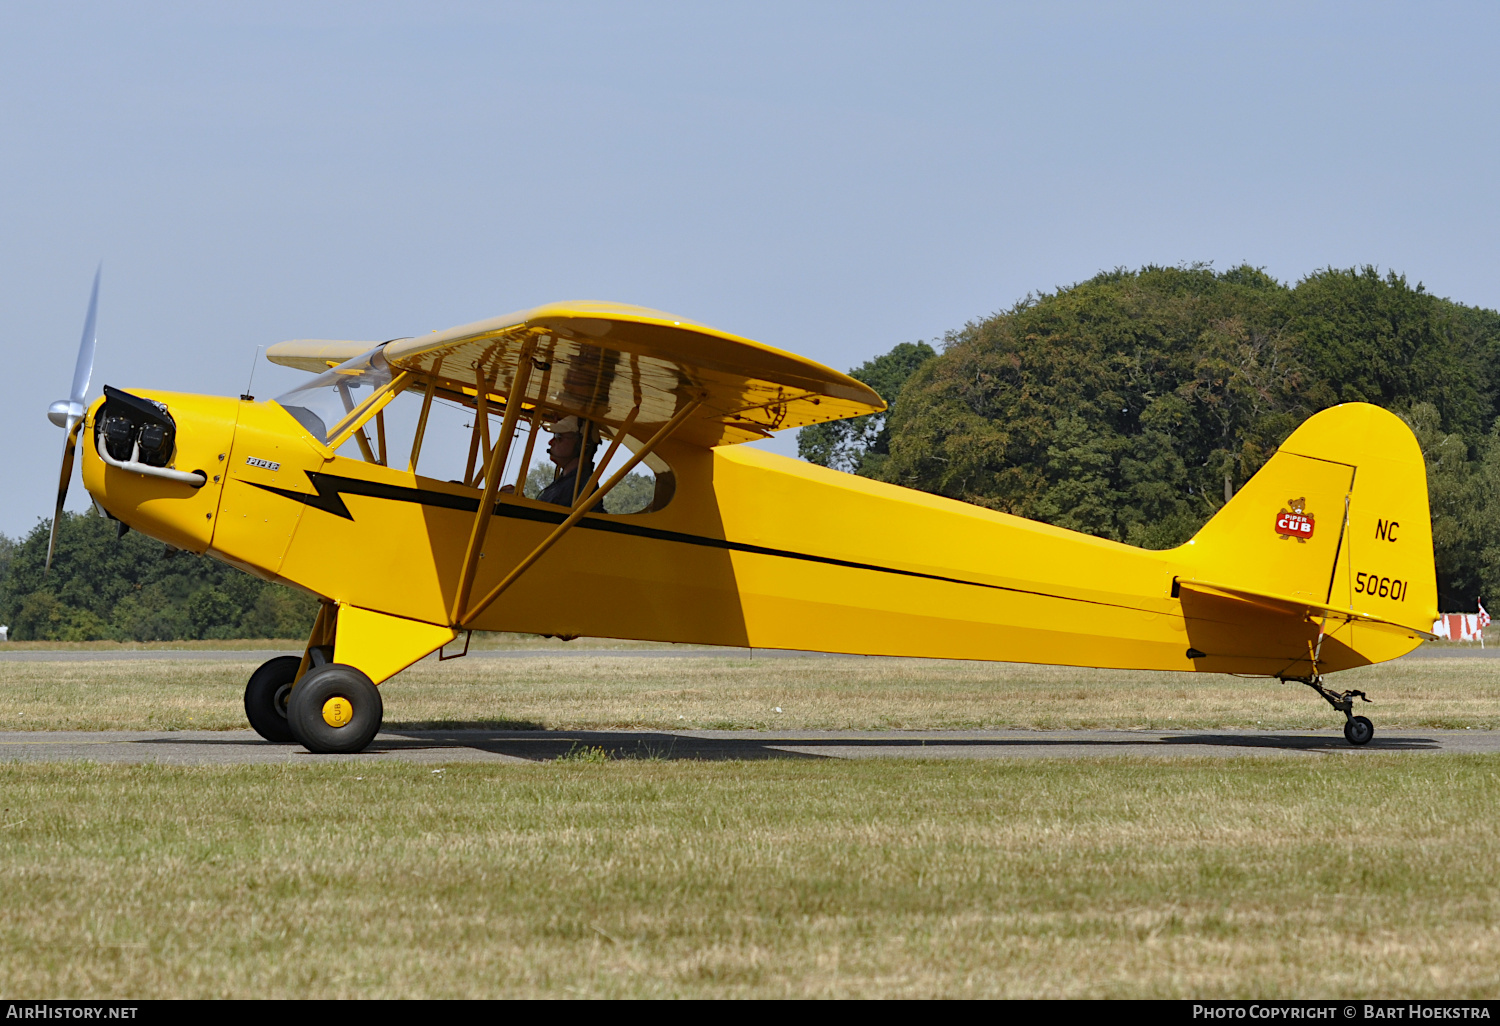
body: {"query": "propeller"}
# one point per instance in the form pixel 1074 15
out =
pixel 68 413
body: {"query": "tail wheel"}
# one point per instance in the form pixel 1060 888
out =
pixel 1358 730
pixel 335 709
pixel 266 697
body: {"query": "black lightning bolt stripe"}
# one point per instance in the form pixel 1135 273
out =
pixel 331 488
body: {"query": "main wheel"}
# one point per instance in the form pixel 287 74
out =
pixel 1358 731
pixel 335 708
pixel 266 695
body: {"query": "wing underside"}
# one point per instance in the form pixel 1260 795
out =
pixel 601 361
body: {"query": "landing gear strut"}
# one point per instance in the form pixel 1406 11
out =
pixel 1357 729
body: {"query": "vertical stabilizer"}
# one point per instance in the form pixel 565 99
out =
pixel 1338 519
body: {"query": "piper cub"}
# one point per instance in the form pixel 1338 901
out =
pixel 1322 562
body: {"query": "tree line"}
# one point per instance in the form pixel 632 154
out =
pixel 133 588
pixel 1132 405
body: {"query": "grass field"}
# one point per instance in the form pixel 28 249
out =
pixel 1108 878
pixel 1257 877
pixel 645 692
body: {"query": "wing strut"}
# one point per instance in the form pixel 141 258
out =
pixel 496 464
pixel 416 442
pixel 478 453
pixel 535 423
pixel 586 502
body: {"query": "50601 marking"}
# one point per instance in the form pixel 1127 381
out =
pixel 1383 587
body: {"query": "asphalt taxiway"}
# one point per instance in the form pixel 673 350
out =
pixel 185 747
pixel 233 747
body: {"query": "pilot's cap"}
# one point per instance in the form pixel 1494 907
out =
pixel 573 426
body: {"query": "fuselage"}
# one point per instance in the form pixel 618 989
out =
pixel 752 549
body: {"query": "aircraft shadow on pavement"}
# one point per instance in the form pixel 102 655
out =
pixel 546 746
pixel 543 746
pixel 536 746
pixel 1304 743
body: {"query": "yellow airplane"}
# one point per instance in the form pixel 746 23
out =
pixel 1322 562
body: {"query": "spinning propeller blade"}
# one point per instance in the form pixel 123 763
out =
pixel 62 489
pixel 68 413
pixel 84 368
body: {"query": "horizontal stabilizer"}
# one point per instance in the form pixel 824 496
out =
pixel 1302 608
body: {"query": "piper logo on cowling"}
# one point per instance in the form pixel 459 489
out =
pixel 1295 522
pixel 263 464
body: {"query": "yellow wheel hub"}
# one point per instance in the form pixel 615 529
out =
pixel 337 711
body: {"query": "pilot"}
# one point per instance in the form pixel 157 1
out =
pixel 572 452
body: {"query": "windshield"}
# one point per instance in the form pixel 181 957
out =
pixel 325 403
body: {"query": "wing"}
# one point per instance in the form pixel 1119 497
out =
pixel 316 354
pixel 600 360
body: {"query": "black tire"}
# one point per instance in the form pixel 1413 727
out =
pixel 1358 731
pixel 266 697
pixel 305 713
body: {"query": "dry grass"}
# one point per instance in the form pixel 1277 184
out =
pixel 645 692
pixel 482 641
pixel 1116 878
pixel 222 645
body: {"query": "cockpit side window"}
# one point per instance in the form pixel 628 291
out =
pixel 646 488
pixel 397 424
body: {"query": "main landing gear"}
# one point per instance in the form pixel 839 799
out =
pixel 1357 729
pixel 333 708
pixel 266 696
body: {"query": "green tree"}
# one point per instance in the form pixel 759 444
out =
pixel 537 478
pixel 631 495
pixel 861 445
pixel 279 613
pixel 1132 405
pixel 1455 494
pixel 1367 338
pixel 1126 406
pixel 133 588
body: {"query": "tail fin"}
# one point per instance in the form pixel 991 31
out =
pixel 1337 523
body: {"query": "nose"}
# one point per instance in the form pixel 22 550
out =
pixel 155 460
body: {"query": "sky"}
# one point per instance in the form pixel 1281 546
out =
pixel 829 178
